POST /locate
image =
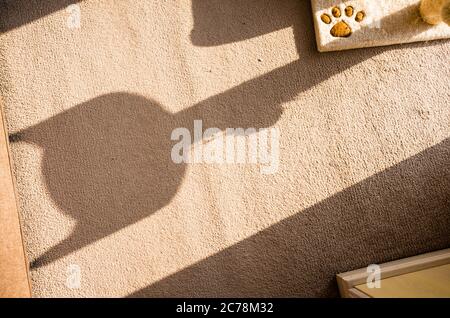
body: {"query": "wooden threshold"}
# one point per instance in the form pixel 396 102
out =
pixel 399 277
pixel 432 282
pixel 14 277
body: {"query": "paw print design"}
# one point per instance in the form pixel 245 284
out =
pixel 342 29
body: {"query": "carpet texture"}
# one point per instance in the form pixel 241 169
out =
pixel 364 152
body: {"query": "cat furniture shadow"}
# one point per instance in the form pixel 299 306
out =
pixel 107 162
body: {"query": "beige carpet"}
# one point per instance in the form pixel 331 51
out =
pixel 364 172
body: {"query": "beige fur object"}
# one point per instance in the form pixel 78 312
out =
pixel 435 11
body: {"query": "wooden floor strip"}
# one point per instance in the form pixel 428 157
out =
pixel 14 280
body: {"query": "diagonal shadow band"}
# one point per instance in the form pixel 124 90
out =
pixel 402 211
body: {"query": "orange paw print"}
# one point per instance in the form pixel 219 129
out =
pixel 342 29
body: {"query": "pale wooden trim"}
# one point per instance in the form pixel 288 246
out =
pixel 433 282
pixel 14 275
pixel 347 281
